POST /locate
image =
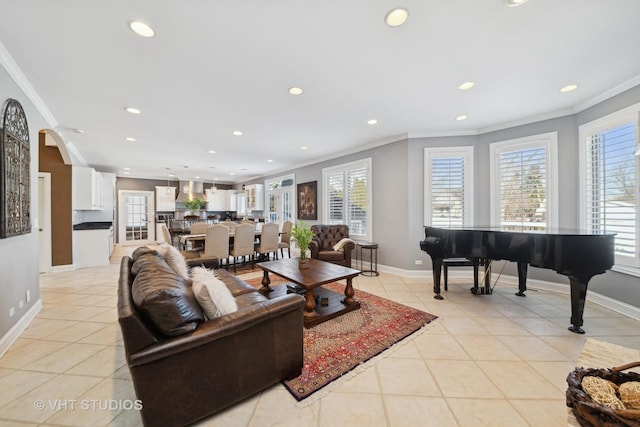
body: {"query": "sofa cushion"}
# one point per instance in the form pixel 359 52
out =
pixel 212 294
pixel 163 296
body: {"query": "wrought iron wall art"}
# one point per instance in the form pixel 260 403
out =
pixel 15 166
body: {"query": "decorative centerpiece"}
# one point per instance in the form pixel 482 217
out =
pixel 301 234
pixel 195 204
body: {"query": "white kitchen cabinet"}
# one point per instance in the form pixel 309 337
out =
pixel 241 205
pixel 165 199
pixel 86 188
pixel 254 197
pixel 92 248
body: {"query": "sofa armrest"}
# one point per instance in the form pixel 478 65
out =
pixel 221 327
pixel 315 246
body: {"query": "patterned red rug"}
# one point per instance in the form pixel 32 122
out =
pixel 335 347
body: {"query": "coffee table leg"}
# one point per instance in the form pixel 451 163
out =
pixel 310 304
pixel 265 289
pixel 349 293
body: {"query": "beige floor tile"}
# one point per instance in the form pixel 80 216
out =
pixel 65 358
pixel 542 413
pixel 44 328
pixel 555 372
pixel 440 346
pixel 101 364
pixel 502 326
pixel 457 378
pixel 109 334
pixel 75 332
pixel 517 380
pixel 351 409
pixel 406 376
pixel 485 412
pixel 57 395
pixel 532 348
pixel 363 381
pixel 405 411
pixel 485 347
pixel 274 407
pixel 18 383
pixel 463 326
pixel 24 355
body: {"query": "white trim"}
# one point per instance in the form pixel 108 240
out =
pixel 44 223
pixel 14 333
pixel 62 268
pixel 550 141
pixel 23 83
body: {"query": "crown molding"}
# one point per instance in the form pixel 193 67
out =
pixel 617 90
pixel 21 80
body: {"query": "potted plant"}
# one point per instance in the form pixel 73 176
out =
pixel 301 234
pixel 194 204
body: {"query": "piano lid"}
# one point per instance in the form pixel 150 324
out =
pixel 524 229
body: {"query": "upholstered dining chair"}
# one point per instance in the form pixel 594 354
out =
pixel 285 238
pixel 243 244
pixel 166 235
pixel 199 228
pixel 216 243
pixel 268 240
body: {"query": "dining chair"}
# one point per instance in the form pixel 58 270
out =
pixel 268 240
pixel 243 244
pixel 216 243
pixel 198 228
pixel 166 235
pixel 285 238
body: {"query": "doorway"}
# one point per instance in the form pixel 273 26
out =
pixel 136 219
pixel 280 199
pixel 44 222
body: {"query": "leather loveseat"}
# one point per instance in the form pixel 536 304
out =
pixel 325 238
pixel 196 367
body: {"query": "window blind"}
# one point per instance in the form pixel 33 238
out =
pixel 447 191
pixel 611 186
pixel 522 175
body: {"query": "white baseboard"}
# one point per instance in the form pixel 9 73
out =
pixel 561 288
pixel 14 333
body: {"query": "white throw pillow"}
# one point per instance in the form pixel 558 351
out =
pixel 176 261
pixel 212 294
pixel 338 246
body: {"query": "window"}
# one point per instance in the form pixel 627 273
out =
pixel 524 183
pixel 609 183
pixel 448 183
pixel 347 197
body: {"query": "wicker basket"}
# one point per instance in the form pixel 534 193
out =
pixel 593 414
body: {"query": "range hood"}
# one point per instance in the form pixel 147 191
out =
pixel 189 190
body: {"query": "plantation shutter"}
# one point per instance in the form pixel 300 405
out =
pixel 447 191
pixel 522 175
pixel 611 196
pixel 356 200
pixel 334 195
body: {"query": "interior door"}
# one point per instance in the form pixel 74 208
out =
pixel 136 218
pixel 280 205
pixel 44 222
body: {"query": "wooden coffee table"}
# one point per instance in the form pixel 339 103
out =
pixel 321 304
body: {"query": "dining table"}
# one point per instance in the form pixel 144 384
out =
pixel 187 239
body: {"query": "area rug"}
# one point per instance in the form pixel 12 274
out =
pixel 338 346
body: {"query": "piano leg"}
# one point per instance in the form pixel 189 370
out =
pixel 522 278
pixel 437 269
pixel 578 297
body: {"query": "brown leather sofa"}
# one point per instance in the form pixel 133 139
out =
pixel 325 238
pixel 205 365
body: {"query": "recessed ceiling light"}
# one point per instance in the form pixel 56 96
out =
pixel 127 169
pixel 303 148
pixel 269 161
pixel 212 151
pixel 295 90
pixel 130 139
pixel 127 173
pixel 80 131
pixel 461 117
pixel 512 3
pixel 466 85
pixel 397 17
pixel 141 29
pixel 568 88
pixel 133 110
pixel 172 175
pixel 231 173
pixel 237 133
pixel 372 122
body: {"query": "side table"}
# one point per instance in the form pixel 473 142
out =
pixel 373 257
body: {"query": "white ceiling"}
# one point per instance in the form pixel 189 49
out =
pixel 219 66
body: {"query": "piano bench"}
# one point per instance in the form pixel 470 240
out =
pixel 454 262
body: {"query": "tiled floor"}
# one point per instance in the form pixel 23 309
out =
pixel 496 360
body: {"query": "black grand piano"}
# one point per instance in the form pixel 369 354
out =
pixel 579 255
